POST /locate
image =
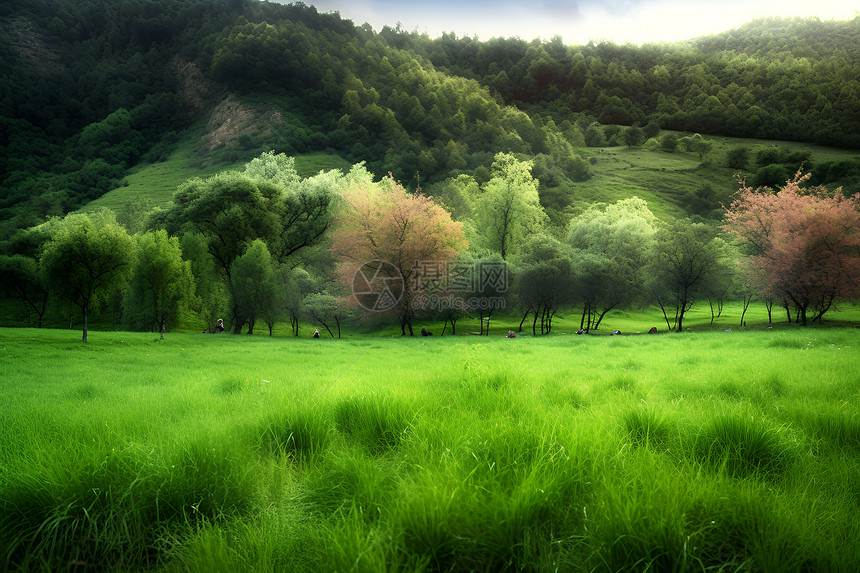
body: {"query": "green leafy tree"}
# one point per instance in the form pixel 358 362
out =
pixel 738 157
pixel 634 136
pixel 327 310
pixel 88 260
pixel 19 279
pixel 274 168
pixel 688 259
pixel 669 142
pixel 610 249
pixel 229 210
pixel 211 299
pixel 698 145
pixel 543 279
pixel 255 289
pixel 160 284
pixel 509 208
pixel 268 202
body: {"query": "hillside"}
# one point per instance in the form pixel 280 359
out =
pixel 674 184
pixel 135 96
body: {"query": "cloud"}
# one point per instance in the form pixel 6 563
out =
pixel 578 21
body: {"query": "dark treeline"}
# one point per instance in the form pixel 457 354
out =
pixel 90 88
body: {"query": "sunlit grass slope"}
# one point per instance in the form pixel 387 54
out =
pixel 156 182
pixel 663 178
pixel 685 452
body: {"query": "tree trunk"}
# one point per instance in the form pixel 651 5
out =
pixel 525 316
pixel 41 310
pixel 665 316
pixel 600 317
pixel 85 324
pixel 747 301
pixel 824 308
pixel 337 321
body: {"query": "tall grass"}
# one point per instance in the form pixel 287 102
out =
pixel 701 452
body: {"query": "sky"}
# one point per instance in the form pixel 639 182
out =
pixel 580 21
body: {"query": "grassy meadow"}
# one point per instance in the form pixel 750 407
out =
pixel 700 451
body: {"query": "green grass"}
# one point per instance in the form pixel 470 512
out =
pixel 695 452
pixel 663 178
pixel 157 182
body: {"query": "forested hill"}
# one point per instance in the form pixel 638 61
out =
pixel 90 88
pixel 778 79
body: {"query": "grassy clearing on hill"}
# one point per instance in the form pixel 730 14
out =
pixel 686 452
pixel 156 182
pixel 663 178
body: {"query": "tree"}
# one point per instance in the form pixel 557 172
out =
pixel 770 176
pixel 738 157
pixel 610 249
pixel 688 258
pixel 509 208
pixel 87 261
pixel 267 202
pixel 669 142
pixel 543 279
pixel 383 234
pixel 161 282
pixel 229 210
pixel 698 145
pixel 803 244
pixel 303 205
pixel 325 309
pixel 274 168
pixel 254 285
pixel 489 281
pixel 211 298
pixel 19 279
pixel 634 136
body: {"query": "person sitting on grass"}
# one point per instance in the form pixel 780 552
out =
pixel 510 334
pixel 425 332
pixel 316 333
pixel 219 326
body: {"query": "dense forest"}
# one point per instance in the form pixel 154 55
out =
pixel 88 89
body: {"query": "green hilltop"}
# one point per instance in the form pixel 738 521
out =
pixel 106 104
